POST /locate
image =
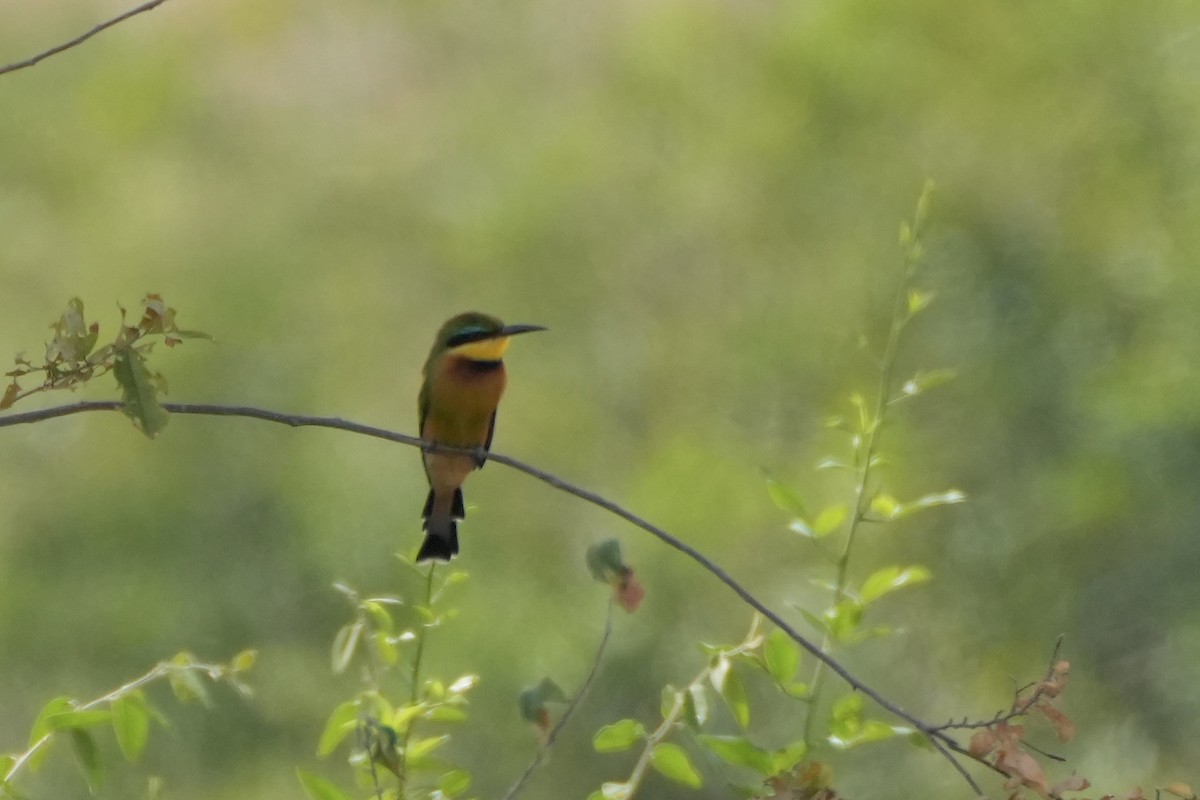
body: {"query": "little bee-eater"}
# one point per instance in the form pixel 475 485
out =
pixel 464 379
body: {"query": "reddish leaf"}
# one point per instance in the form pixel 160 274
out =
pixel 628 592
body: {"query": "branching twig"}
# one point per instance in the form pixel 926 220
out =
pixel 1020 705
pixel 552 736
pixel 940 741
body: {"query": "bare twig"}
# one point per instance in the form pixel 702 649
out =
pixel 938 739
pixel 1020 705
pixel 78 40
pixel 552 736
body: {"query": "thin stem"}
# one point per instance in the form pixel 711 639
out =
pixel 160 670
pixel 867 449
pixel 78 40
pixel 677 706
pixel 416 665
pixel 551 737
pixel 297 421
pixel 416 676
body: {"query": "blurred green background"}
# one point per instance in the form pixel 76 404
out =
pixel 700 199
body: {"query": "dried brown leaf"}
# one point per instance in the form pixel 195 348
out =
pixel 1023 769
pixel 1063 724
pixel 10 395
pixel 1057 682
pixel 1180 789
pixel 1074 783
pixel 982 743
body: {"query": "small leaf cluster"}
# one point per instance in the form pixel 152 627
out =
pixel 688 713
pixel 126 711
pixel 392 753
pixel 74 356
pixel 606 565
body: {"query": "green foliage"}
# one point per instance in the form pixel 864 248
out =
pixel 618 736
pixel 382 724
pixel 671 760
pixel 126 708
pixel 72 359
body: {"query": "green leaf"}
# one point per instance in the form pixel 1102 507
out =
pixel 138 392
pixel 344 644
pixel 734 693
pixel 801 526
pixel 695 707
pixel 188 686
pixel 379 616
pixel 829 520
pixel 341 722
pixel 871 730
pixel 798 690
pixel 422 748
pixel 385 648
pixel 671 760
pixel 73 339
pixel 445 714
pixel 667 698
pixel 843 619
pixel 889 579
pixel 845 718
pixel 88 757
pixel 78 719
pixel 924 381
pixel 864 416
pixel 455 782
pixel 318 788
pixel 244 661
pixel 885 506
pixel 787 758
pixel 41 726
pixel 403 717
pixel 918 301
pixel 786 499
pixel 604 560
pixel 740 752
pixel 533 699
pixel 781 656
pixel 719 671
pixel 131 724
pixel 182 334
pixel 613 791
pixel 467 682
pixel 618 736
pixel 949 497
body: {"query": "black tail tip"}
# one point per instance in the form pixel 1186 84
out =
pixel 438 548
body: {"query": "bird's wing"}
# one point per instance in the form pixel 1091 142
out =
pixel 487 445
pixel 422 413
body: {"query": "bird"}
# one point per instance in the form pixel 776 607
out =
pixel 463 380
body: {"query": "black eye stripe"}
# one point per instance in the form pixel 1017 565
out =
pixel 469 336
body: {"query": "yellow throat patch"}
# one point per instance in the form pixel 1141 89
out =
pixel 486 350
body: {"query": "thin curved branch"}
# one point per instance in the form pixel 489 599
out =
pixel 552 736
pixel 943 743
pixel 78 40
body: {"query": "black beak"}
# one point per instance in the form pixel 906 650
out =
pixel 513 330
